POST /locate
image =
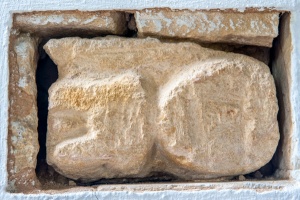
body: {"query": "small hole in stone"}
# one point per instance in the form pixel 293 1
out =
pixel 131 25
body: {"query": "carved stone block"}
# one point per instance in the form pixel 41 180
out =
pixel 126 107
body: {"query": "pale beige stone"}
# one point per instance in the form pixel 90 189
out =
pixel 67 23
pixel 254 28
pixel 281 68
pixel 23 121
pixel 72 183
pixel 216 115
pixel 99 126
pixel 241 178
pixel 125 107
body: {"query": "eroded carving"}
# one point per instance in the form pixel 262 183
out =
pixel 104 117
pixel 126 107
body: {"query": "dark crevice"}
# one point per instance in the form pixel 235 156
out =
pixel 155 177
pixel 279 95
pixel 46 74
pixel 281 117
pixel 131 25
pixel 270 168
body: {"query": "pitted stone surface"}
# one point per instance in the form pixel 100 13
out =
pixel 215 115
pixel 255 28
pixel 103 126
pixel 125 107
pixel 53 23
pixel 23 120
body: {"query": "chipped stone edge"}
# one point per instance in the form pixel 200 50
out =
pixel 51 21
pixel 158 18
pixel 22 62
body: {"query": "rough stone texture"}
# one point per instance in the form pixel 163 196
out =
pixel 215 115
pixel 68 23
pixel 281 67
pixel 254 28
pixel 126 107
pixel 23 121
pixel 103 126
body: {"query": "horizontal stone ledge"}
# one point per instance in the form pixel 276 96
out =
pixel 251 28
pixel 57 23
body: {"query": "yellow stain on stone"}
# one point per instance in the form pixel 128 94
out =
pixel 80 98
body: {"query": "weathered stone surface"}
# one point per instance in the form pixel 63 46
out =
pixel 216 115
pixel 126 107
pixel 254 28
pixel 98 128
pixel 281 68
pixel 56 23
pixel 23 121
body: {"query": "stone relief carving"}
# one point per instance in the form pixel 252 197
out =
pixel 125 107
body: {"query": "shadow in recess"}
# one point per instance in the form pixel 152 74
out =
pixel 46 74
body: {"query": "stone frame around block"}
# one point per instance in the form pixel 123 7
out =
pixel 24 97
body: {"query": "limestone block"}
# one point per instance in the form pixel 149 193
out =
pixel 23 121
pixel 125 107
pixel 71 22
pixel 254 28
pixel 216 115
pixel 98 128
